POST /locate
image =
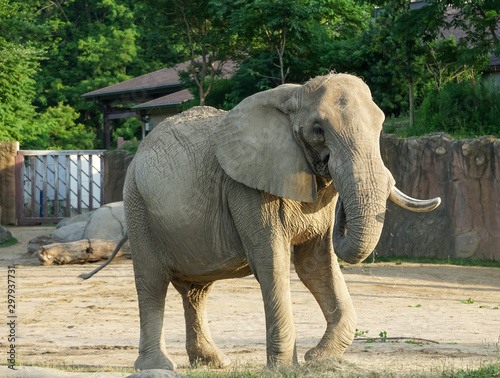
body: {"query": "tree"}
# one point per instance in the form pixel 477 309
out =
pixel 194 31
pixel 480 20
pixel 402 33
pixel 89 44
pixel 19 62
pixel 286 41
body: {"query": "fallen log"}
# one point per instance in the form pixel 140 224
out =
pixel 80 251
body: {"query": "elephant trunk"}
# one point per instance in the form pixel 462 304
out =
pixel 357 229
pixel 360 212
pixel 364 186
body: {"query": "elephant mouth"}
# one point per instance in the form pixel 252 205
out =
pixel 321 164
pixel 340 228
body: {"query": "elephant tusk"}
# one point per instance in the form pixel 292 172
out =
pixel 419 206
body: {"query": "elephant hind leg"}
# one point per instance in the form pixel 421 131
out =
pixel 152 350
pixel 151 281
pixel 199 344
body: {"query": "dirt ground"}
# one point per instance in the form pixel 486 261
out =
pixel 63 320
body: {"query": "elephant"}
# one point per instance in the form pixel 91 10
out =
pixel 213 195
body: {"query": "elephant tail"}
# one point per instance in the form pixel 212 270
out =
pixel 86 276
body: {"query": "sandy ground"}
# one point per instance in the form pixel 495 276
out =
pixel 63 320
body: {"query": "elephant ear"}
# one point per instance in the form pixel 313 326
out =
pixel 254 144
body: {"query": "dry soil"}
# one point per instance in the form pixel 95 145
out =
pixel 63 320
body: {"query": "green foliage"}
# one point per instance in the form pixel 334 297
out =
pixel 129 128
pixel 89 45
pixel 467 301
pixel 359 333
pixel 52 52
pixel 464 109
pixel 286 41
pixel 19 62
pixel 58 130
pixel 18 65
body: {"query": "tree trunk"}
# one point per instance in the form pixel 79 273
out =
pixel 80 251
pixel 411 98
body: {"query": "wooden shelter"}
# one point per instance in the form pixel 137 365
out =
pixel 151 97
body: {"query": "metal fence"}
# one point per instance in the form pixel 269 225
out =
pixel 51 185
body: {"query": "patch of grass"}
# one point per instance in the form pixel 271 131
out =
pixel 434 260
pixel 81 368
pixel 487 371
pixel 8 243
pixel 383 336
pixel 467 301
pixel 359 333
pixel 324 368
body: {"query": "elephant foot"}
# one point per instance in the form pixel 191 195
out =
pixel 213 358
pixel 321 353
pixel 156 361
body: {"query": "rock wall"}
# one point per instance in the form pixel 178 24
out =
pixel 8 153
pixel 116 163
pixel 466 175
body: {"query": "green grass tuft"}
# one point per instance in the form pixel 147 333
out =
pixel 488 371
pixel 8 243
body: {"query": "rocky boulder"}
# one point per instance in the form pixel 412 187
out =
pixel 4 234
pixel 70 232
pixel 107 222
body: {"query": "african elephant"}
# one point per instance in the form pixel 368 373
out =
pixel 213 195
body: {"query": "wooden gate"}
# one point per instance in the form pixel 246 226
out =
pixel 51 185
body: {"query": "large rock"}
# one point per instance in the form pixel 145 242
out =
pixel 4 234
pixel 107 222
pixel 71 232
pixel 466 175
pixel 84 217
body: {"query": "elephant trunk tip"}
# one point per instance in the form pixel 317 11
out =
pixel 355 237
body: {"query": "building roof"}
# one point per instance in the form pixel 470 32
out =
pixel 162 78
pixel 149 86
pixel 168 100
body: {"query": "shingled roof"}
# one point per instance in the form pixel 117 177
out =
pixel 149 86
pixel 162 78
pixel 171 99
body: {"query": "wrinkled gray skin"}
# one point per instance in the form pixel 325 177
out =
pixel 213 195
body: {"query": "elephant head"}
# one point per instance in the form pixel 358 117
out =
pixel 282 140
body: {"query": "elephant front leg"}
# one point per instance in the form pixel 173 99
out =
pixel 199 344
pixel 319 270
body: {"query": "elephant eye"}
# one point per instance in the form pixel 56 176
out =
pixel 318 130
